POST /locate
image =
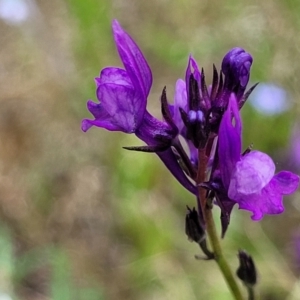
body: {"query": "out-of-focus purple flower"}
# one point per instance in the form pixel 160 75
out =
pixel 15 12
pixel 270 99
pixel 123 98
pixel 250 179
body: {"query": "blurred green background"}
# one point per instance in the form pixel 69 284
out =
pixel 81 218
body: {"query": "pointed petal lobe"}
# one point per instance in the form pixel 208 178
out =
pixel 286 182
pixel 133 60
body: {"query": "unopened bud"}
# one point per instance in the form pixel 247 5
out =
pixel 246 271
pixel 193 228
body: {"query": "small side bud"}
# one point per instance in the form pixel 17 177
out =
pixel 246 271
pixel 196 232
pixel 193 228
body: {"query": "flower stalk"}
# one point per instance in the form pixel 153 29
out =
pixel 212 232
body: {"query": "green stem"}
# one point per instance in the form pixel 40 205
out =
pixel 212 232
pixel 251 295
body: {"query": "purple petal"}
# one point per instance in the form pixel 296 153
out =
pixel 102 118
pixel 286 182
pixel 119 108
pixel 229 141
pixel 133 60
pixel 252 173
pixel 97 110
pixel 86 124
pixel 113 75
pixel 268 201
pixel 122 103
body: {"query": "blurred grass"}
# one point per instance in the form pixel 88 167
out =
pixel 81 218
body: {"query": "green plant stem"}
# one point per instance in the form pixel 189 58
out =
pixel 212 232
pixel 251 295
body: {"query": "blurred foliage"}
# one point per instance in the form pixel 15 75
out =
pixel 81 218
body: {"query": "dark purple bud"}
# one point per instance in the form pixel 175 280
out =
pixel 246 271
pixel 196 233
pixel 193 228
pixel 237 62
pixel 236 67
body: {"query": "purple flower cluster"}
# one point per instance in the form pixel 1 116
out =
pixel 206 117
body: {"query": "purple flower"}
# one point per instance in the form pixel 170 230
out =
pixel 123 93
pixel 249 179
pixel 123 98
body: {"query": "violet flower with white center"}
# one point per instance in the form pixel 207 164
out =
pixel 250 179
pixel 123 98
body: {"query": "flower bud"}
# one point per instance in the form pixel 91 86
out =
pixel 193 228
pixel 246 271
pixel 236 66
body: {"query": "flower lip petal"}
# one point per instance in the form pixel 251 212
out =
pixel 113 75
pixel 86 124
pixel 102 118
pixel 286 182
pixel 122 103
pixel 116 93
pixel 133 60
pixel 268 201
pixel 252 173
